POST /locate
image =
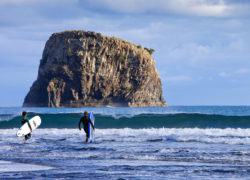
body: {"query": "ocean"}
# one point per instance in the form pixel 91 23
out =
pixel 176 142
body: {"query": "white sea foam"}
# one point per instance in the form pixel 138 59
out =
pixel 176 131
pixel 196 132
pixel 227 136
pixel 8 166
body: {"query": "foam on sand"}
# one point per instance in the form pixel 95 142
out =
pixel 9 166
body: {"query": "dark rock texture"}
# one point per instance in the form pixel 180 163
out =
pixel 80 68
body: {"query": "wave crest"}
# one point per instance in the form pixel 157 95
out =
pixel 179 120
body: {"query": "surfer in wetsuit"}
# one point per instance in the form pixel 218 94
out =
pixel 24 120
pixel 85 120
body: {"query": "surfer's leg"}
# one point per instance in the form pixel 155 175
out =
pixel 26 137
pixel 87 139
pixel 87 134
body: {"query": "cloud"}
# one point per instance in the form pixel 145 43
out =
pixel 207 8
pixel 34 1
pixel 192 53
pixel 224 74
pixel 14 1
pixel 177 78
pixel 242 71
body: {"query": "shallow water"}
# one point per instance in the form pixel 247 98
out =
pixel 130 153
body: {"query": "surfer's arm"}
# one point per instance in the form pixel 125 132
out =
pixel 79 124
pixel 91 124
pixel 29 125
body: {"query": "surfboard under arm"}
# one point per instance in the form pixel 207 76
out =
pixel 25 129
pixel 91 130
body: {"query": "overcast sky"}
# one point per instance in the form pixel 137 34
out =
pixel 202 47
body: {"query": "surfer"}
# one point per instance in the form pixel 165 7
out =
pixel 85 120
pixel 24 120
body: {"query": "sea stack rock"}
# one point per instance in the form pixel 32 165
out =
pixel 80 68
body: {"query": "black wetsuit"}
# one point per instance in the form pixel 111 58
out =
pixel 85 120
pixel 24 120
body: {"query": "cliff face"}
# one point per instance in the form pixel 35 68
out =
pixel 81 68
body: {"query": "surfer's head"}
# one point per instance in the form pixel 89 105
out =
pixel 24 113
pixel 85 113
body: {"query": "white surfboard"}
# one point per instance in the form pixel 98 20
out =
pixel 91 130
pixel 34 123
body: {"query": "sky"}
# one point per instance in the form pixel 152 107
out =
pixel 202 49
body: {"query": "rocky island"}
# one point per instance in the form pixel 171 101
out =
pixel 80 68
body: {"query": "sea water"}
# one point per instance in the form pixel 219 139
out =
pixel 177 142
